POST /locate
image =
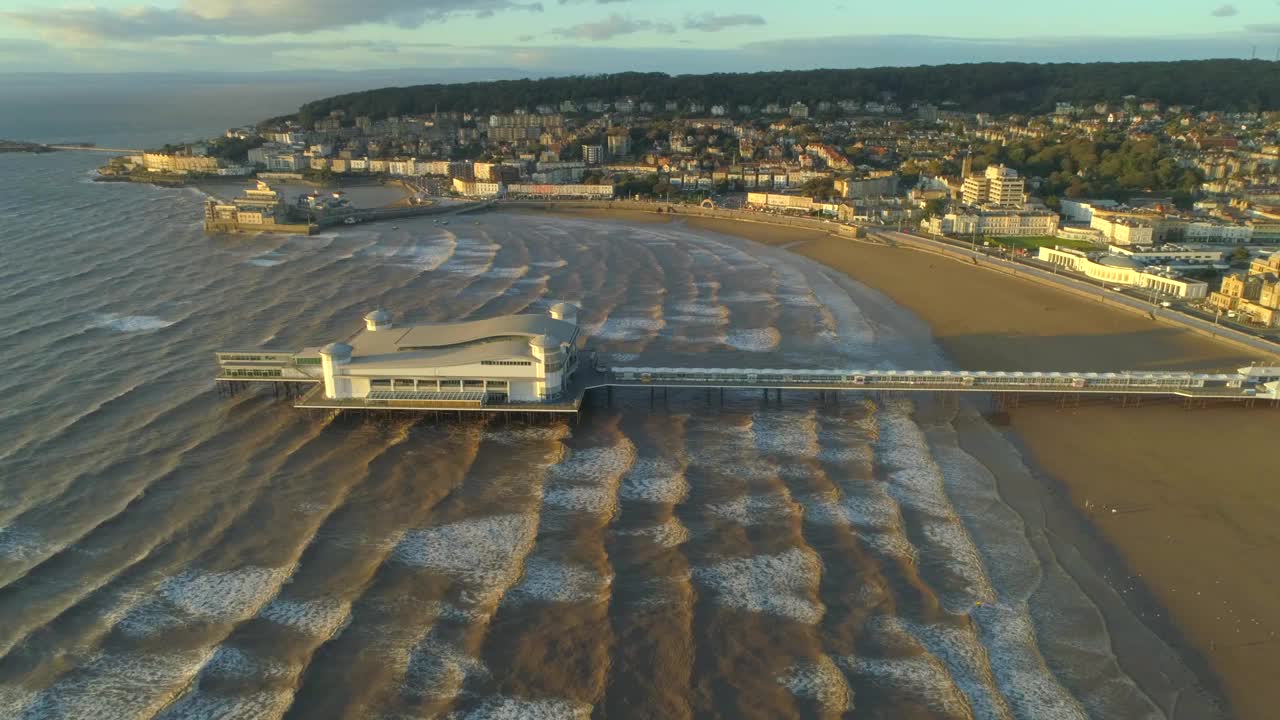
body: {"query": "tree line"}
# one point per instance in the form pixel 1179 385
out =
pixel 1231 85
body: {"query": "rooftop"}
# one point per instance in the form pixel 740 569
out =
pixel 457 343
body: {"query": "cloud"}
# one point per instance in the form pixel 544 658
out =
pixel 708 22
pixel 421 62
pixel 249 18
pixel 1225 10
pixel 612 26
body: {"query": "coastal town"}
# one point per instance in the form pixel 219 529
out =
pixel 1179 203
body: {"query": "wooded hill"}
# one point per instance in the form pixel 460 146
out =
pixel 985 87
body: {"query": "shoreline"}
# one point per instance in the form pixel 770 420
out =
pixel 1156 488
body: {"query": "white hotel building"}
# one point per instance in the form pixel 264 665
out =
pixel 509 359
pixel 1121 270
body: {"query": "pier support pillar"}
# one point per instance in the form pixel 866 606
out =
pixel 721 397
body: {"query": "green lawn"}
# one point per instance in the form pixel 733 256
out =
pixel 1036 242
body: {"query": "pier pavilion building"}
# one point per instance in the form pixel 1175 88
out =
pixel 511 359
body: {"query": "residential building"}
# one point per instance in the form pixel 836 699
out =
pixel 1000 223
pixel 597 192
pixel 592 154
pixel 476 188
pixel 1122 230
pixel 1253 294
pixel 867 187
pixel 798 110
pixel 179 164
pixel 997 188
pixel 619 145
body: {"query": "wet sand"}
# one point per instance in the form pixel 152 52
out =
pixel 1184 499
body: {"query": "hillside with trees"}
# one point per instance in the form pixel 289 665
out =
pixel 980 87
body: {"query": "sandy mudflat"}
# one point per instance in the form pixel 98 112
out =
pixel 1196 494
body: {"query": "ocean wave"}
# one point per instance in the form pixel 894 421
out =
pixel 200 703
pixel 748 510
pixel 320 617
pixel 757 340
pixel 502 707
pixel 223 597
pixel 785 584
pixel 129 323
pixel 821 682
pixel 667 534
pixel 485 553
pixel 438 670
pixel 118 685
pixel 551 580
pixel 654 480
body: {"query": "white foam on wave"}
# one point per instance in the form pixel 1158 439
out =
pixel 20 545
pixel 205 596
pixel 501 707
pixel 789 434
pixel 548 580
pixel 916 482
pixel 654 480
pixel 597 500
pixel 550 263
pixel 320 617
pixel 439 670
pixel 117 685
pixel 625 329
pixel 967 663
pixel 423 258
pixel 485 553
pixel 200 704
pixel 509 272
pixel 594 462
pixel 917 676
pixel 821 682
pixel 785 584
pixel 270 258
pixel 235 663
pixel 668 534
pixel 747 510
pixel 1010 644
pixel 129 323
pixel 698 310
pixel 753 340
pixel 740 297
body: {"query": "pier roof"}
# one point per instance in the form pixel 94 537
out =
pixel 459 343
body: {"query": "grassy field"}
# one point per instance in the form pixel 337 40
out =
pixel 1036 242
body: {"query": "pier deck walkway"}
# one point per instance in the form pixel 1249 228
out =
pixel 284 369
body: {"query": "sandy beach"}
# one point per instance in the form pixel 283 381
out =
pixel 1182 498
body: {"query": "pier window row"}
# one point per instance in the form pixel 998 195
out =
pixel 251 373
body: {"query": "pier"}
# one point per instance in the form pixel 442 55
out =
pixel 1005 389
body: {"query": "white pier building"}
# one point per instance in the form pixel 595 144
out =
pixel 512 359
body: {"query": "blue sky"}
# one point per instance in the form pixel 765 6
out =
pixel 584 36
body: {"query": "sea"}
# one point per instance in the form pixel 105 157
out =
pixel 167 551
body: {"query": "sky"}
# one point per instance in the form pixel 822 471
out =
pixel 542 37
